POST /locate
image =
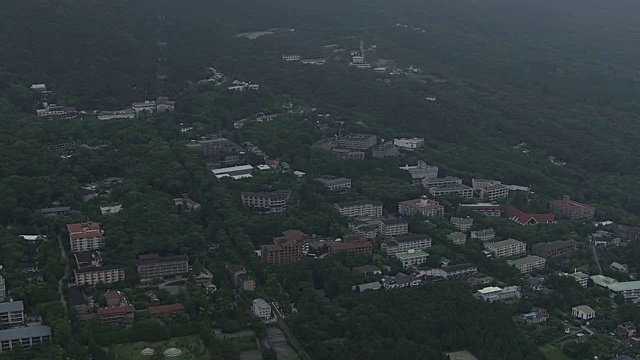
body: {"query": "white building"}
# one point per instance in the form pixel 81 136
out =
pixel 363 208
pixel 234 172
pixel 393 227
pixel 338 184
pixel 101 275
pixel 422 206
pixel 506 248
pixel 463 191
pixel 529 263
pixel 261 309
pixel 581 278
pixel 462 224
pixel 39 87
pixel 458 238
pixel 109 209
pixel 583 312
pixel 412 258
pixel 441 182
pixel 494 293
pixel 291 57
pixel 483 235
pixel 117 114
pixel 55 110
pixel 409 143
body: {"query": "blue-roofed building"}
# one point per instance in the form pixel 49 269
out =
pixel 25 336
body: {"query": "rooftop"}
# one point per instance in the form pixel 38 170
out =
pixel 232 169
pixel 585 309
pixel 555 245
pixel 163 309
pixel 489 289
pixel 624 286
pixel 504 243
pixel 409 255
pixel 525 260
pixel 461 355
pixel 393 221
pixel 356 136
pixel 24 332
pixel 570 204
pixel 524 218
pixel 11 306
pixel 328 180
pixel 358 203
pixel 157 259
pixel 412 237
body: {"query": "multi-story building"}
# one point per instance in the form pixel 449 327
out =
pixel 3 290
pixel 368 228
pixel 486 209
pixel 239 278
pixel 393 227
pixel 409 143
pixel 261 309
pixel 285 249
pixel 266 202
pixel 347 154
pixel 581 278
pixel 361 208
pixel 358 141
pixel 11 314
pixel 506 248
pixel 55 110
pixel 154 266
pixel 386 149
pixel 528 264
pixel 628 289
pixel 214 144
pixel 460 271
pixel 85 236
pixel 291 57
pixel 122 314
pixel 583 312
pixel 412 258
pixel 458 238
pixel 421 171
pixel 442 182
pixel 100 275
pixel 88 259
pixel 24 337
pixel 554 248
pixel 494 293
pixel 461 190
pixel 422 206
pixel 627 232
pixel 524 218
pixel 479 184
pixel 572 210
pixel 405 243
pixel 162 104
pixel 494 192
pixel 351 245
pixel 462 224
pixel 110 209
pixel 483 235
pixel 337 184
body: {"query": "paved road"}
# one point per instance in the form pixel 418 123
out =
pixel 67 274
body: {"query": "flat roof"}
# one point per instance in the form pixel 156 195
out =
pixel 489 289
pixel 526 260
pixel 358 203
pixel 11 306
pixel 408 255
pixel 232 169
pixel 25 332
pixel 625 286
pixel 504 243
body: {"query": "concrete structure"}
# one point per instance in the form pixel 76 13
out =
pixel 422 206
pixel 483 235
pixel 56 211
pixel 386 149
pixel 261 309
pixel 160 105
pixel 346 154
pixel 627 232
pixel 214 145
pixel 98 275
pixel 460 190
pixel 626 330
pixel 3 290
pixel 373 286
pixel 367 270
pixel 412 258
pixel 360 208
pixel 583 312
pixel 291 57
pixel 88 259
pixel 337 184
pixel 186 203
pixel 628 289
pixel 409 143
pixel 441 182
pixel 460 271
pixel 406 243
pixel 110 209
pixel 554 249
pixel 535 317
pixel 486 209
pixel 462 224
pixel 524 218
pixel 494 293
pixel 266 202
pixel 581 278
pixel 393 227
pixel 490 189
pixel 352 244
pixel 421 171
pixel 239 278
pixel 528 264
pixel 458 238
pixel 117 114
pixel 25 337
pixel 11 314
pixel 357 141
pixel 51 110
pixel 285 249
pixel 233 172
pixel 122 314
pixel 154 266
pixel 85 236
pixel 506 248
pixel 571 210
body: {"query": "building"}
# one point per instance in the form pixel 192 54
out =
pixel 572 210
pixel 357 141
pixel 528 264
pixel 486 209
pixel 386 149
pixel 535 317
pixel 461 355
pixel 351 245
pixel 162 104
pixel 554 248
pixel 483 235
pixel 110 209
pixel 373 286
pixel 616 266
pixel 285 249
pixel 117 114
pixel 360 208
pixel 32 239
pixel 421 171
pixel 214 145
pixel 581 278
pixel 88 259
pixel 367 270
pixel 460 271
pixel 85 236
pixel 524 218
pixel 367 227
pixel 56 211
pixel 405 243
pixel 11 314
pixel 411 144
pixel 187 203
pixel 490 189
pixel 24 337
pixel 50 110
pixel 506 248
pixel 462 224
pixel 460 190
pixel 261 309
pixel 583 312
pixel 494 293
pixel 154 266
pixel 239 278
pixel 291 57
pixel 481 184
pixel 100 275
pixel 626 330
pixel 123 314
pixel 233 172
pixel 412 258
pixel 441 182
pixel 39 87
pixel 3 290
pixel 628 289
pixel 458 238
pixel 320 61
pixel 337 184
pixel 627 232
pixel 160 310
pixel 346 154
pixel 266 202
pixel 422 206
pixel 393 227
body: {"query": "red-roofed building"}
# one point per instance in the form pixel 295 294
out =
pixel 524 218
pixel 117 314
pixel 165 309
pixel 572 210
pixel 285 249
pixel 85 236
pixel 351 245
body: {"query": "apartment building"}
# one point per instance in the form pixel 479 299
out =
pixel 458 238
pixel 462 224
pixel 24 337
pixel 368 228
pixel 100 275
pixel 261 309
pixel 581 278
pixel 347 154
pixel 572 210
pixel 386 149
pixel 460 271
pixel 239 278
pixel 358 141
pixel 405 243
pixel 393 227
pixel 628 289
pixel 412 258
pixel 528 264
pixel 479 184
pixel 494 192
pixel 266 202
pixel 351 245
pixel 337 184
pixel 460 190
pixel 486 209
pixel 411 144
pixel 422 206
pixel 554 248
pixel 442 182
pixel 11 314
pixel 494 293
pixel 154 266
pixel 506 248
pixel 285 249
pixel 360 208
pixel 85 236
pixel 483 235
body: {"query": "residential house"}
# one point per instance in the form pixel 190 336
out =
pixel 285 249
pixel 405 243
pixel 357 141
pixel 412 258
pixel 572 210
pixel 386 149
pixel 266 202
pixel 261 309
pixel 85 236
pixel 486 209
pixel 422 206
pixel 506 248
pixel 411 144
pixel 536 283
pixel 534 317
pixel 360 208
pixel 554 249
pixel 583 312
pixel 494 293
pixel 154 266
pixel 460 190
pixel 458 238
pixel 524 218
pixel 528 264
pixel 462 224
pixel 24 337
pixel 337 184
pixel 32 239
pixel 98 275
pixel 483 235
pixel 110 209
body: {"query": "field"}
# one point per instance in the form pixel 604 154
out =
pixel 191 346
pixel 554 353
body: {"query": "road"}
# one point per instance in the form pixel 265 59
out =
pixel 67 274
